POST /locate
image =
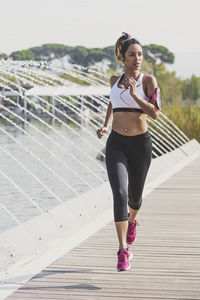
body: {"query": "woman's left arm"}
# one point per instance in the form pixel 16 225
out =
pixel 150 109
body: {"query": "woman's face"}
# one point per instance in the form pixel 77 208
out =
pixel 133 57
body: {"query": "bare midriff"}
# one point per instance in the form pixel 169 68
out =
pixel 129 123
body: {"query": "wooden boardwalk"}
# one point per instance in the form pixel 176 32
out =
pixel 166 253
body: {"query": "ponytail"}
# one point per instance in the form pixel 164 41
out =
pixel 119 43
pixel 122 45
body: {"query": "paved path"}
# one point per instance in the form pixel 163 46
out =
pixel 166 263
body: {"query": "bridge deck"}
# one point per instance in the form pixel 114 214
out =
pixel 166 263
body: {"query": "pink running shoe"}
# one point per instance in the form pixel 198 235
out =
pixel 131 232
pixel 130 254
pixel 123 263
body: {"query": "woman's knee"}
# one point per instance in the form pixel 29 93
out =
pixel 135 203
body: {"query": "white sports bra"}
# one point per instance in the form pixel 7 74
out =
pixel 121 99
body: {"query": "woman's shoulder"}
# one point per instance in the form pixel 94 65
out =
pixel 113 79
pixel 149 84
pixel 149 78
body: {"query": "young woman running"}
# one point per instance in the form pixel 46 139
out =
pixel 133 96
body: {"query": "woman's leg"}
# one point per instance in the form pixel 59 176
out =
pixel 116 163
pixel 138 167
pixel 133 214
pixel 121 228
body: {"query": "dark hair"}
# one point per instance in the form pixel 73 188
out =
pixel 122 45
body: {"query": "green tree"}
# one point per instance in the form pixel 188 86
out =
pixel 3 55
pixel 80 56
pixel 195 83
pixel 45 52
pixel 170 85
pixel 157 54
pixel 191 88
pixel 23 55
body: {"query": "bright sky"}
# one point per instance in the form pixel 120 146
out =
pixel 98 23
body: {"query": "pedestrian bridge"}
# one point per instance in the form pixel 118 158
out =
pixel 69 250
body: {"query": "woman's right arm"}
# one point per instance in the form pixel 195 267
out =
pixel 100 132
pixel 109 114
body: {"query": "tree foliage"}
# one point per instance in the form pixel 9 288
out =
pixel 3 55
pixel 88 56
pixel 191 88
pixel 170 85
pixel 157 54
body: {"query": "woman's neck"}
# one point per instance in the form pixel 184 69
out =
pixel 133 73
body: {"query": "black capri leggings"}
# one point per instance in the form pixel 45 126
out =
pixel 128 159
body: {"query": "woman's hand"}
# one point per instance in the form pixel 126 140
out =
pixel 101 131
pixel 131 82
